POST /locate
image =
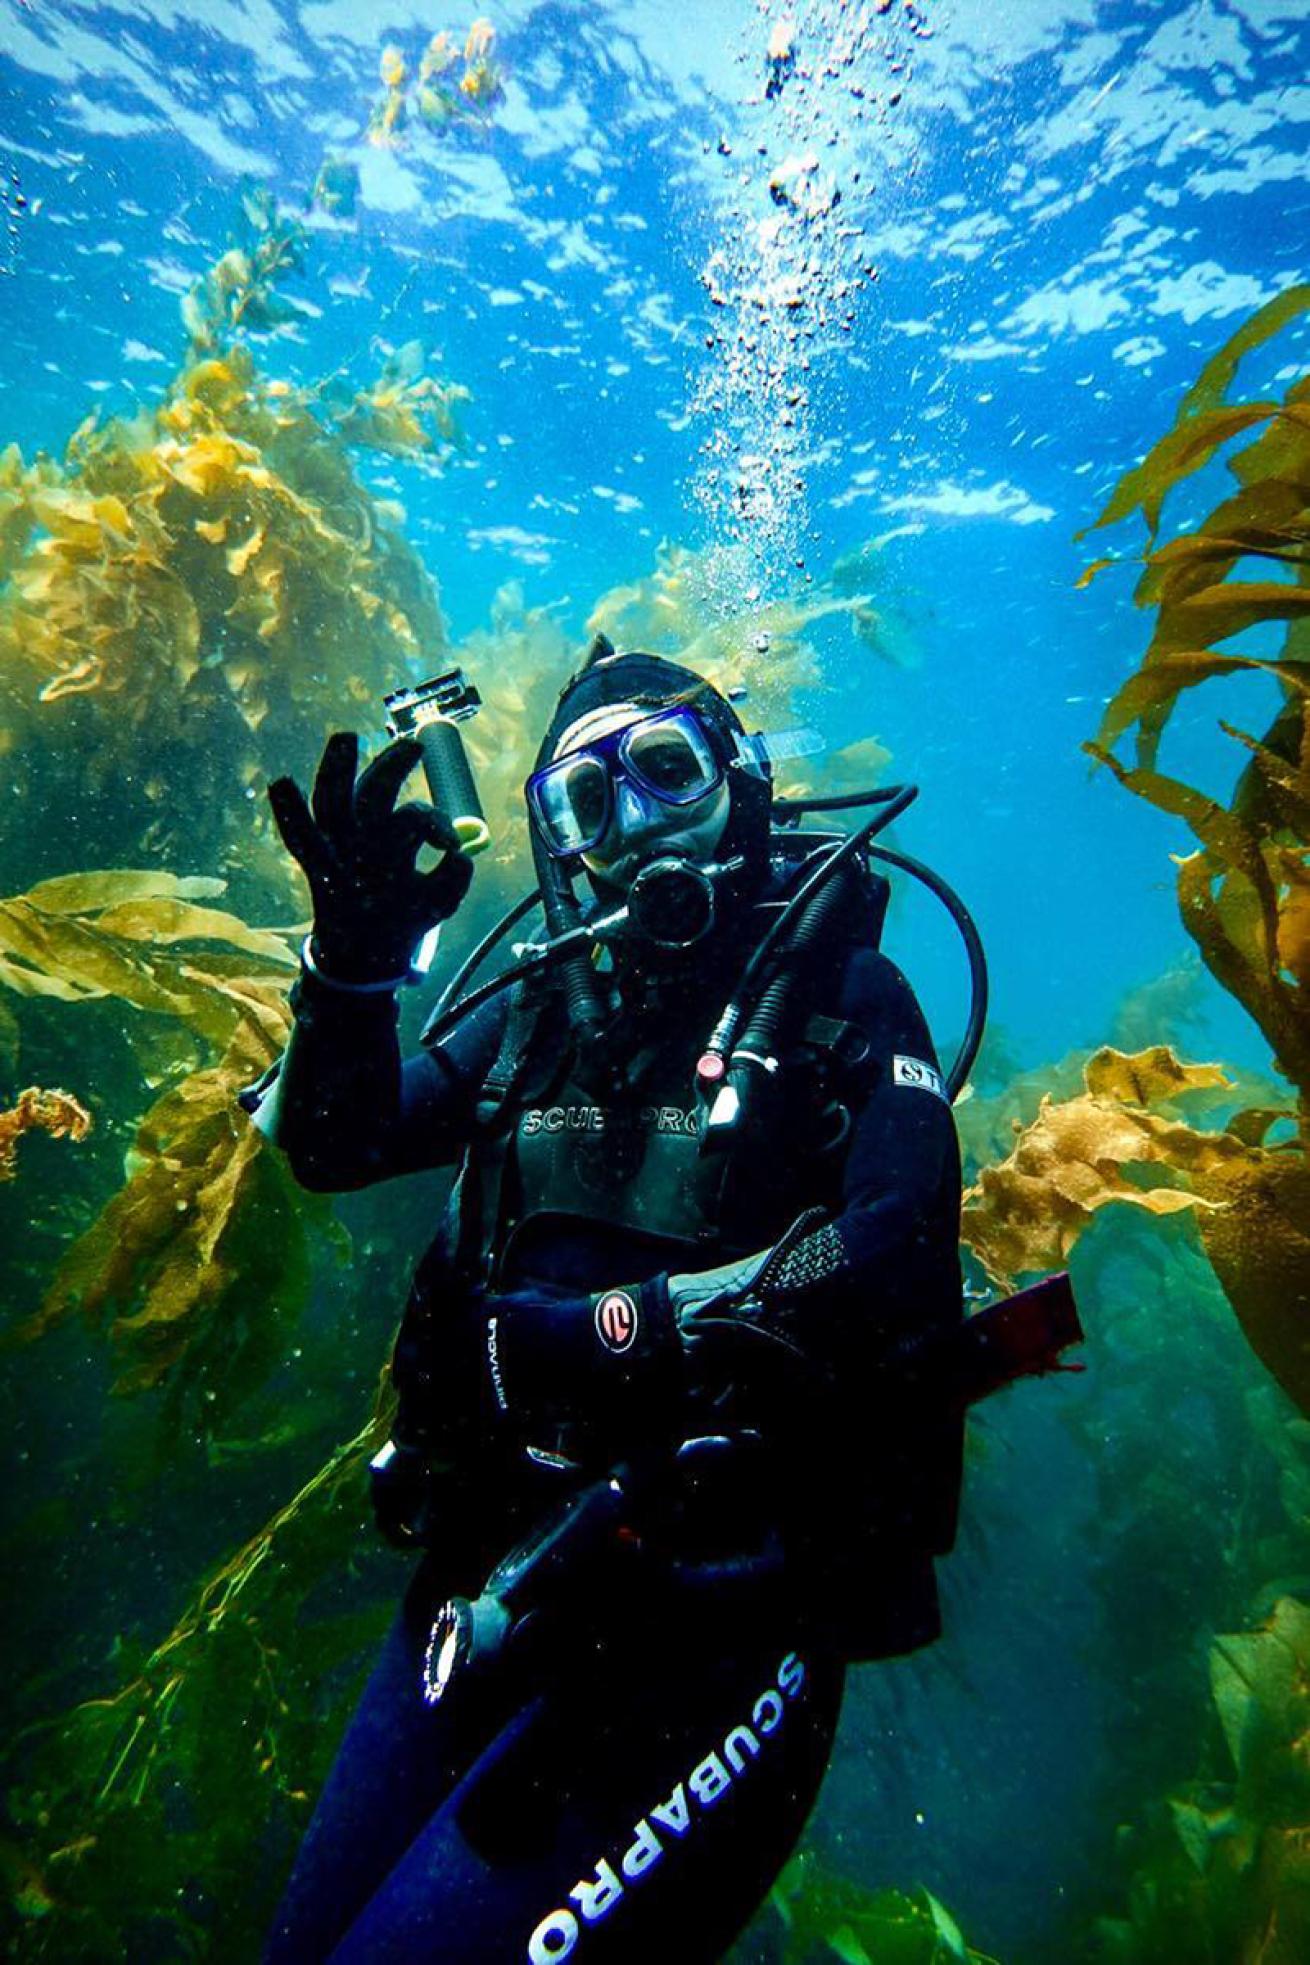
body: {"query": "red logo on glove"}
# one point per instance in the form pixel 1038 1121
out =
pixel 616 1320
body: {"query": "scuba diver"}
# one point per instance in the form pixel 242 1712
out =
pixel 679 1424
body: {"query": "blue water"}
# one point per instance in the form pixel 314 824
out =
pixel 1051 212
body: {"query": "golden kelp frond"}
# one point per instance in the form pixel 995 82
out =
pixel 451 85
pixel 520 663
pixel 1154 1077
pixel 662 611
pixel 676 611
pixel 53 1112
pixel 207 593
pixel 200 1261
pixel 850 768
pixel 1026 1214
pixel 1258 1241
pixel 1123 1141
pixel 406 410
pixel 124 935
pixel 989 1122
pixel 390 114
pixel 1205 421
pixel 1245 896
pixel 20 485
pixel 243 290
pixel 199 1264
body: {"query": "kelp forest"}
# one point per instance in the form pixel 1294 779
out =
pixel 191 600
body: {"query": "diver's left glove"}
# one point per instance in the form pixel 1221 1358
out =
pixel 611 1363
pixel 359 850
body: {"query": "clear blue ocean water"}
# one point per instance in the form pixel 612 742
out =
pixel 922 292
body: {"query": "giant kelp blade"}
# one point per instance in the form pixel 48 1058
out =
pixel 1219 373
pixel 1157 685
pixel 1176 456
pixel 1258 1239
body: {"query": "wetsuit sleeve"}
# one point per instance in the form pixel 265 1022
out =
pixel 843 1291
pixel 887 1266
pixel 348 1110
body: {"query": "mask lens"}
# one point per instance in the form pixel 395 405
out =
pixel 571 802
pixel 671 758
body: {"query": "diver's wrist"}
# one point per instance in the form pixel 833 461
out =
pixel 313 966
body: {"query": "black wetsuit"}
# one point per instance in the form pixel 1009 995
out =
pixel 640 1786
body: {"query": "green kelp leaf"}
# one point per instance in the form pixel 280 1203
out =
pixel 173 1785
pixel 1283 1886
pixel 946 1927
pixel 1260 1681
pixel 1161 680
pixel 826 1912
pixel 200 1264
pixel 1258 1242
pixel 87 893
pixel 1198 1829
pixel 1176 456
pixel 844 1944
pixel 1227 608
pixel 1216 378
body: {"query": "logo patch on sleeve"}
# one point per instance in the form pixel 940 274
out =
pixel 616 1320
pixel 913 1071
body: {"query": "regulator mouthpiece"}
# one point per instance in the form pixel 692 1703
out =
pixel 672 902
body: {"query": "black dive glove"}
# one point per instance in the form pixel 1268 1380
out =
pixel 611 1363
pixel 641 1362
pixel 372 905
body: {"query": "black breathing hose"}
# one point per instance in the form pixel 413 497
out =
pixel 731 1021
pixel 964 921
pixel 788 811
pixel 472 963
pixel 760 1034
pixel 568 945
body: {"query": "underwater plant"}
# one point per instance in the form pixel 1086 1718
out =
pixel 34 1110
pixel 452 84
pixel 199 1264
pixel 1221 1867
pixel 1216 1872
pixel 216 1740
pixel 197 595
pixel 826 1915
pixel 1244 896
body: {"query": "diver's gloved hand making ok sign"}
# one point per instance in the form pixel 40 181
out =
pixel 359 851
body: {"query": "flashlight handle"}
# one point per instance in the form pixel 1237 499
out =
pixel 450 781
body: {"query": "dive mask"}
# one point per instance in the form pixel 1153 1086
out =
pixel 666 759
